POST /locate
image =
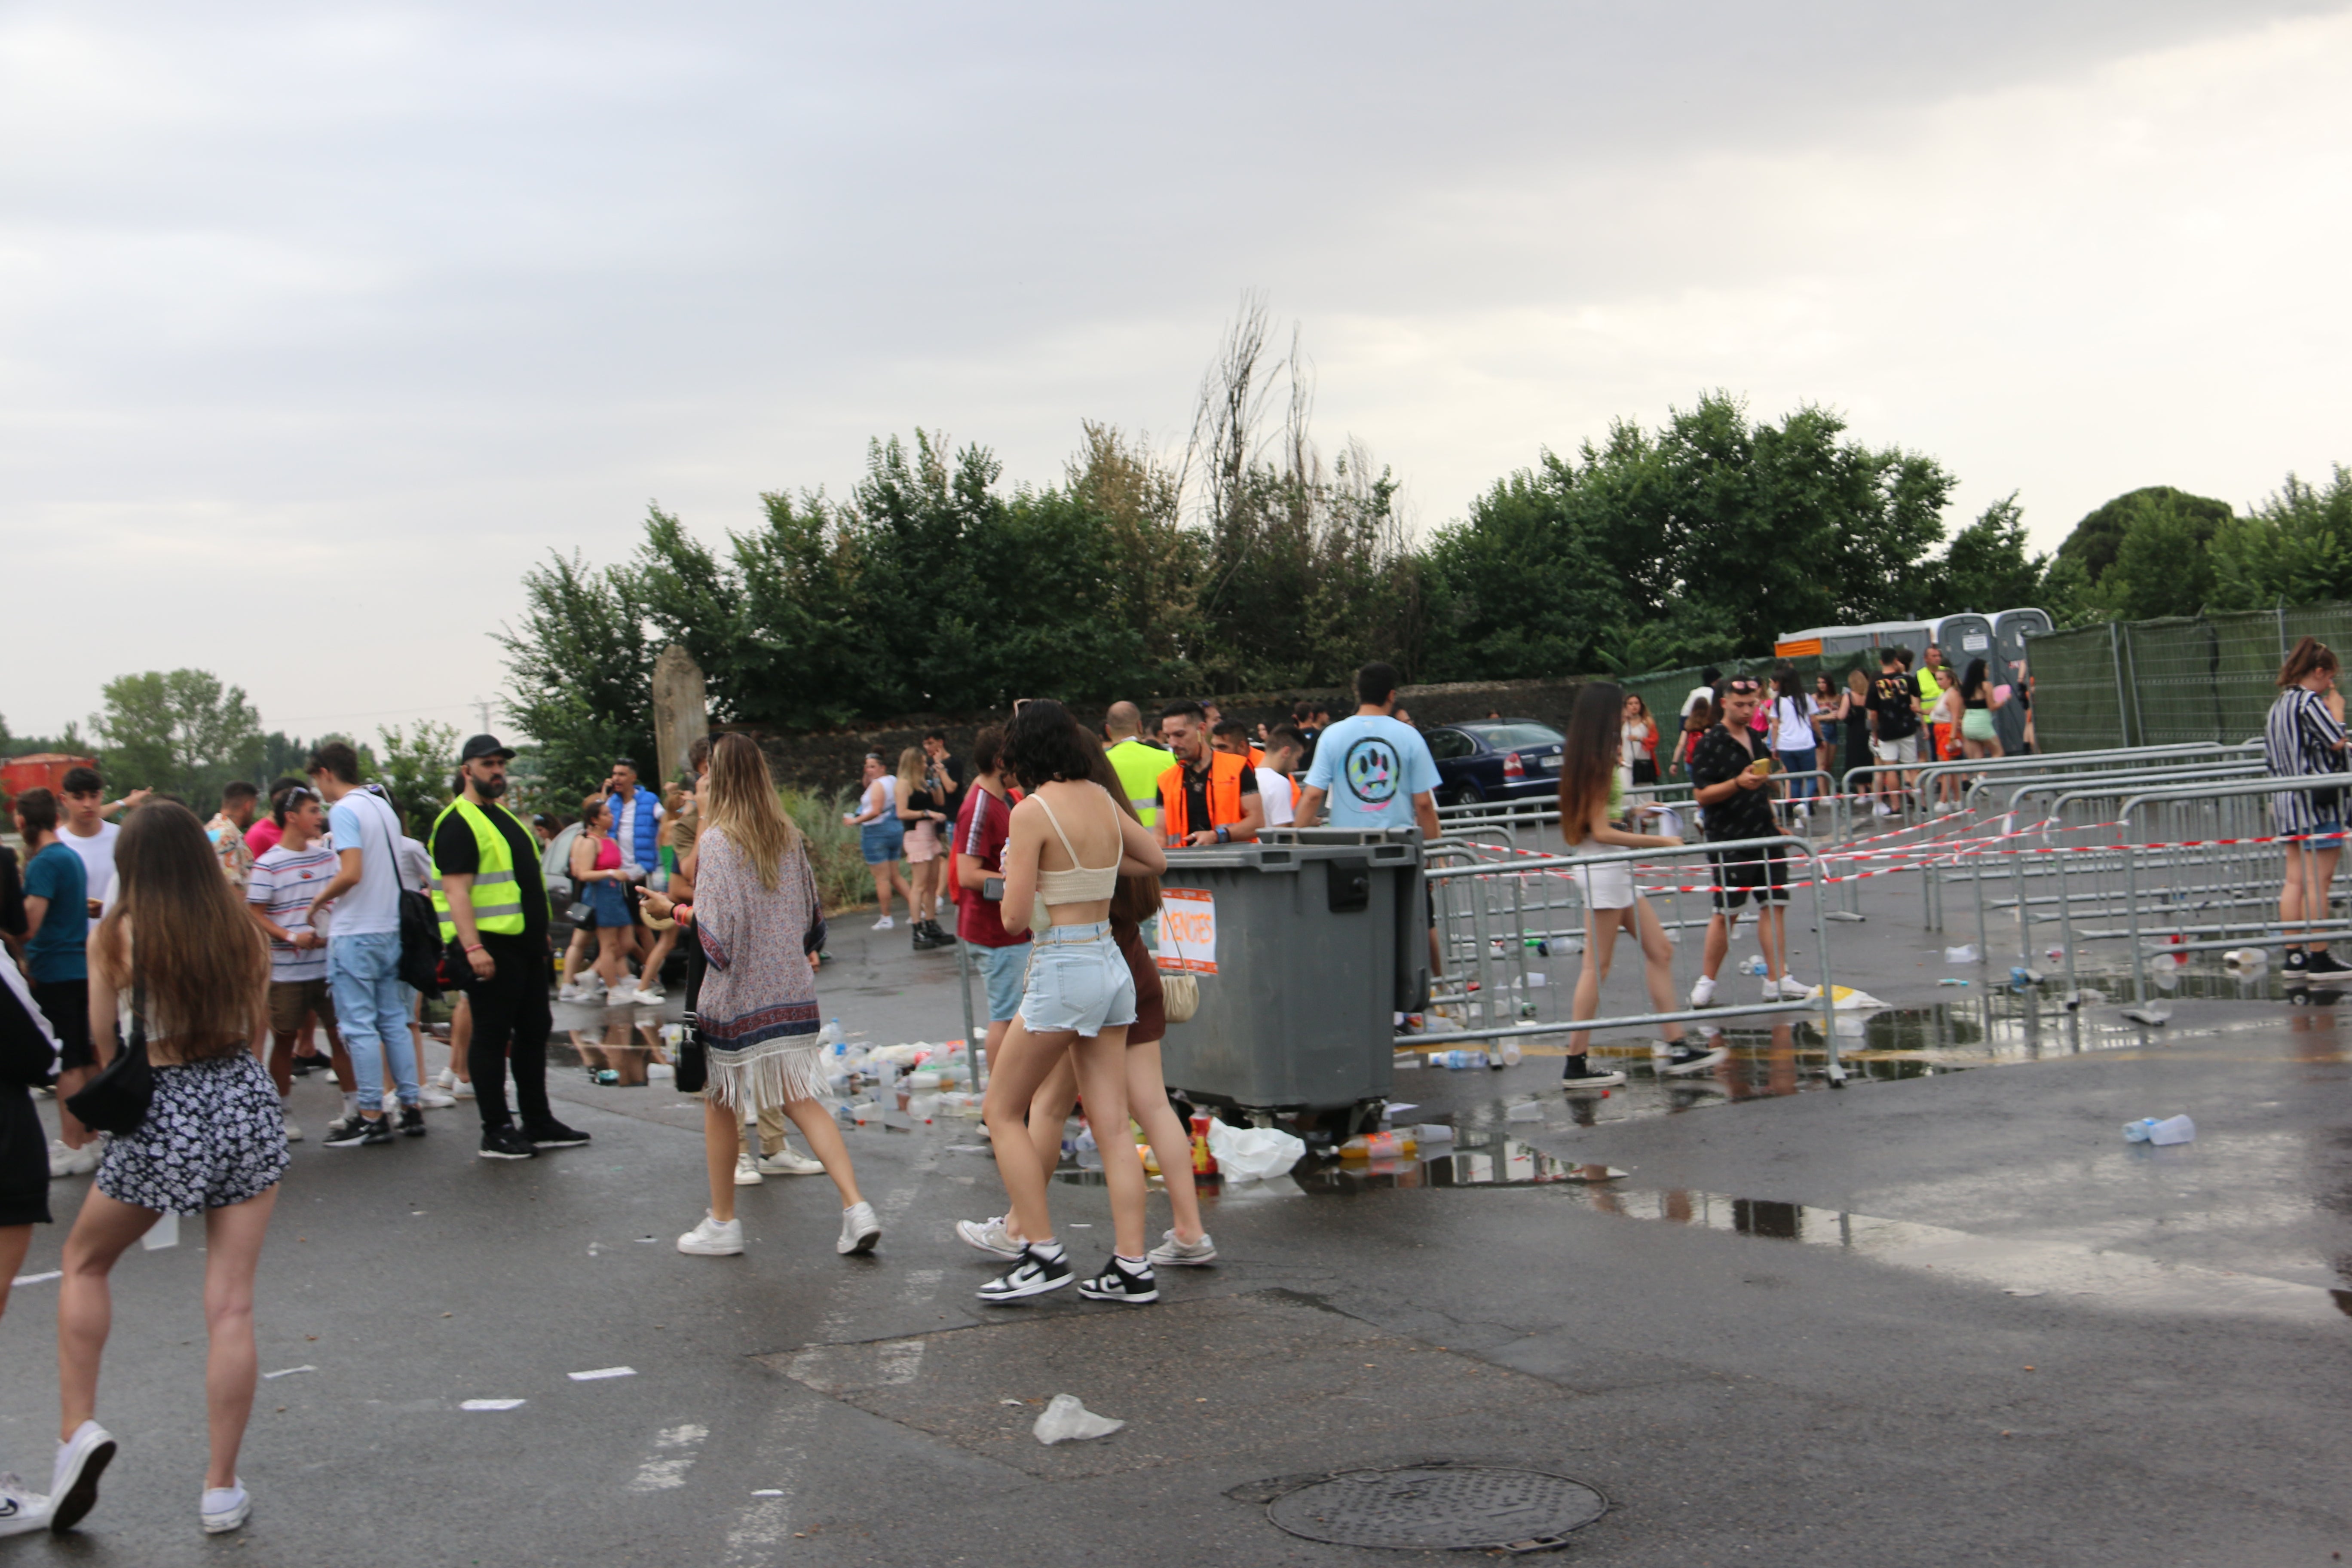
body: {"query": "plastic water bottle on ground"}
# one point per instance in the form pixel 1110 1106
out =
pixel 2171 1129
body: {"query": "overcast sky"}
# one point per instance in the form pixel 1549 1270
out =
pixel 318 325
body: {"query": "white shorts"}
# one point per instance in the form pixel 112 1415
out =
pixel 1905 749
pixel 1077 981
pixel 1609 887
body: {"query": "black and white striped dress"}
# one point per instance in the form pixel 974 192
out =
pixel 2301 738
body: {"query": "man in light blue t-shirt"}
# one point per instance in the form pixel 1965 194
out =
pixel 1372 770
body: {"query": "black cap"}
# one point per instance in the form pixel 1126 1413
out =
pixel 484 746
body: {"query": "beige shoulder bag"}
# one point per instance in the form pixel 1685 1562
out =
pixel 1180 990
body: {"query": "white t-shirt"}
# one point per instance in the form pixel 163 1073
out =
pixel 1792 729
pixel 1370 767
pixel 1273 794
pixel 363 821
pixel 97 853
pixel 1698 695
pixel 625 830
pixel 416 866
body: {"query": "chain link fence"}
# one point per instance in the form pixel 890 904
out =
pixel 2154 683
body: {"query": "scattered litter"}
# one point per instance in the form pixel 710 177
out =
pixel 1964 954
pixel 1399 1106
pixel 1947 980
pixel 1248 1153
pixel 1407 1059
pixel 38 1278
pixel 163 1232
pixel 1066 1420
pixel 2166 978
pixel 2021 974
pixel 2088 997
pixel 488 1404
pixel 602 1371
pixel 1430 1133
pixel 2152 1013
pixel 2171 1129
pixel 1525 1110
pixel 286 1371
pixel 1014 1403
pixel 2245 958
pixel 1846 999
pixel 2054 955
pixel 647 1240
pixel 1076 1225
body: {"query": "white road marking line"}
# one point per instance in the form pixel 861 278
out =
pixel 286 1371
pixel 661 1474
pixel 488 1404
pixel 602 1372
pixel 38 1278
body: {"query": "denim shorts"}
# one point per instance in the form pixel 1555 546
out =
pixel 1079 980
pixel 2326 833
pixel 882 842
pixel 1001 969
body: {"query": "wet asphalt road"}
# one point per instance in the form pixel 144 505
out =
pixel 1935 1317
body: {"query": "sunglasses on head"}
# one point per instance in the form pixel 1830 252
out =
pixel 1739 686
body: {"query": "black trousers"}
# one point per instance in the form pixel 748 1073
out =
pixel 66 1004
pixel 511 1022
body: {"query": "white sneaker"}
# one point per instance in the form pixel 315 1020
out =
pixel 859 1230
pixel 713 1239
pixel 1183 1254
pixel 747 1174
pixel 1882 809
pixel 989 1235
pixel 225 1507
pixel 884 923
pixel 1944 805
pixel 293 1133
pixel 784 1163
pixel 1702 993
pixel 81 1162
pixel 571 991
pixel 462 1090
pixel 651 996
pixel 73 1484
pixel 21 1512
pixel 1795 990
pixel 444 1079
pixel 622 996
pixel 434 1099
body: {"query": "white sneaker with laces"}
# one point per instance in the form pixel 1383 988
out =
pixel 73 1483
pixel 1795 990
pixel 444 1079
pixel 21 1511
pixel 622 996
pixel 712 1238
pixel 859 1230
pixel 1703 993
pixel 784 1163
pixel 1183 1254
pixel 884 923
pixel 462 1090
pixel 81 1162
pixel 225 1507
pixel 989 1235
pixel 434 1099
pixel 1882 809
pixel 747 1174
pixel 652 996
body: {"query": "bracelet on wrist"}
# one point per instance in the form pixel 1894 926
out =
pixel 473 947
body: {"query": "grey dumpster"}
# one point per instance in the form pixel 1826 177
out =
pixel 1306 946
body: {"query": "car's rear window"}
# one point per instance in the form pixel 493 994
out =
pixel 1514 737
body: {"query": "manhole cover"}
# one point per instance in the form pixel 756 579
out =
pixel 1428 1507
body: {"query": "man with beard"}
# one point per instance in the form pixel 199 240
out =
pixel 493 909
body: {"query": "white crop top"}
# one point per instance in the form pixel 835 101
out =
pixel 1081 884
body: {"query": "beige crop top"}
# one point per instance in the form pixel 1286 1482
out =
pixel 1081 884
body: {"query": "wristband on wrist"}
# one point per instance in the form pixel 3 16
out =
pixel 473 947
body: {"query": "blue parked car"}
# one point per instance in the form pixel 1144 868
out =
pixel 1494 759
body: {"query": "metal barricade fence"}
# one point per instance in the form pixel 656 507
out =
pixel 1488 920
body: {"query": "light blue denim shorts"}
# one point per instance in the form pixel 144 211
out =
pixel 1079 980
pixel 1001 969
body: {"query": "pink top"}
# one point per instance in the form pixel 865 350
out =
pixel 263 835
pixel 608 853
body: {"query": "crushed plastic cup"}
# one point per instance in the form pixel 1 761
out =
pixel 1065 1420
pixel 1507 1055
pixel 2171 1129
pixel 1964 954
pixel 1525 1110
pixel 2245 958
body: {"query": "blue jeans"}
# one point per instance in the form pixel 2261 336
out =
pixel 1803 761
pixel 372 1009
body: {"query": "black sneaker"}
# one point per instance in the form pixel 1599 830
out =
pixel 555 1135
pixel 506 1143
pixel 1033 1275
pixel 1684 1060
pixel 411 1121
pixel 2319 960
pixel 1119 1283
pixel 1579 1073
pixel 2298 963
pixel 359 1130
pixel 305 1066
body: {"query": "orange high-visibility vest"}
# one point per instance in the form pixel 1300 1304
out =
pixel 1224 796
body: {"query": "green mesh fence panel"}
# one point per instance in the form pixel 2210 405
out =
pixel 2155 683
pixel 2075 690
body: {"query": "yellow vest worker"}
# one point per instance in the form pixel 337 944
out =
pixel 1138 767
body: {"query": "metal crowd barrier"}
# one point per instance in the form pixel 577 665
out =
pixel 1487 919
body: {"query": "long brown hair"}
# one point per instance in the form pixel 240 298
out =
pixel 743 805
pixel 1136 898
pixel 179 930
pixel 2309 656
pixel 1589 761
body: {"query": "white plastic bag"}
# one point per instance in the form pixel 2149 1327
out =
pixel 1065 1419
pixel 1964 954
pixel 1252 1154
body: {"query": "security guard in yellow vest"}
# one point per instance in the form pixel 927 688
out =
pixel 1137 763
pixel 492 903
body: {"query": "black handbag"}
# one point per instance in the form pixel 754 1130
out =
pixel 116 1101
pixel 693 1064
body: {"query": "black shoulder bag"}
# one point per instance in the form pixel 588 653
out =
pixel 116 1101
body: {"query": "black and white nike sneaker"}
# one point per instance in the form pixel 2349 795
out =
pixel 1120 1283
pixel 1033 1275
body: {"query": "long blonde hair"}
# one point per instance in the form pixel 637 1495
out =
pixel 202 959
pixel 743 805
pixel 910 774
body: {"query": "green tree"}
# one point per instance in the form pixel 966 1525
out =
pixel 418 765
pixel 2097 541
pixel 2295 548
pixel 1986 567
pixel 581 669
pixel 180 732
pixel 1523 587
pixel 2162 566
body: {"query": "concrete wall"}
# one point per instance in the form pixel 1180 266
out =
pixel 826 760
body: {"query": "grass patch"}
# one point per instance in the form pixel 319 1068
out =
pixel 842 878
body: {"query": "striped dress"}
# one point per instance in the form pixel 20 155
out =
pixel 2301 738
pixel 757 1010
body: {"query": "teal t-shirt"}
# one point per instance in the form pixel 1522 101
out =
pixel 59 950
pixel 1369 768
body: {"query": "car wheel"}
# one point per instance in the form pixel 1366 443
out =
pixel 1461 794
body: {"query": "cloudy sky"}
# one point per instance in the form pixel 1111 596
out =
pixel 318 325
